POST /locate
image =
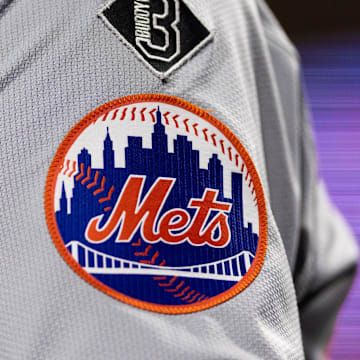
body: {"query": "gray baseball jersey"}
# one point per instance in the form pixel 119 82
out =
pixel 190 224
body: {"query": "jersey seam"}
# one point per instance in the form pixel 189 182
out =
pixel 292 52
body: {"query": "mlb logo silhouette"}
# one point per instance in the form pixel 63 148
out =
pixel 156 203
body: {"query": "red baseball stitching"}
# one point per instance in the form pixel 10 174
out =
pixel 193 298
pixel 152 115
pixel 222 146
pixel 152 261
pixel 177 287
pixel 83 181
pixel 67 167
pixel 170 282
pixel 182 292
pixel 175 121
pixel 237 160
pixel 166 117
pixel 186 125
pixel 101 189
pixel 80 175
pixel 95 180
pixel 142 114
pixel 138 243
pixel 123 114
pixel 230 155
pixel 188 295
pixel 205 134
pixel 195 129
pixel 145 253
pixel 81 172
pixel 114 114
pixel 105 116
pixel 213 136
pixel 133 114
pixel 108 197
pixel 73 169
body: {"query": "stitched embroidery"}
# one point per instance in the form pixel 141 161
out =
pixel 162 33
pixel 156 203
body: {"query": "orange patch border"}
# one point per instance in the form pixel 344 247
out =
pixel 56 167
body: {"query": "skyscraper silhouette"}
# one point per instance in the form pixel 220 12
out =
pixel 183 165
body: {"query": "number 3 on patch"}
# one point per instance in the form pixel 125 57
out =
pixel 162 33
pixel 166 24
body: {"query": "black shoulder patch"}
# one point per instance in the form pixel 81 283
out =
pixel 163 33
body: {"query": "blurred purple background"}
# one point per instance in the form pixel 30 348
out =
pixel 331 66
pixel 327 35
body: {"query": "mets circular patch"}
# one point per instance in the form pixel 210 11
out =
pixel 155 202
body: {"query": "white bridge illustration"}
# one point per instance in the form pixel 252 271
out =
pixel 230 269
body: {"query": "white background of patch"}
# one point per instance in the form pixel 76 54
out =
pixel 92 138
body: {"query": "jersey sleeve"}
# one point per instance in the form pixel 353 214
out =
pixel 326 257
pixel 321 250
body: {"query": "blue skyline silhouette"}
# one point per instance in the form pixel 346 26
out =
pixel 183 164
